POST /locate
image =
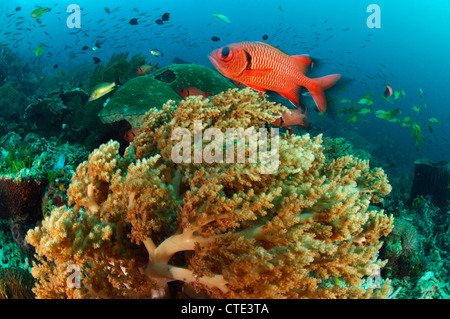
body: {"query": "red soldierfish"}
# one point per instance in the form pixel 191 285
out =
pixel 296 117
pixel 192 91
pixel 146 68
pixel 131 134
pixel 263 67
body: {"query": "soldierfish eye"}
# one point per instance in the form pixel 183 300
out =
pixel 226 53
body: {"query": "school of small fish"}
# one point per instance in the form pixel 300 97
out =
pixel 259 65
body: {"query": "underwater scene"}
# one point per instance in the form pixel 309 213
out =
pixel 224 150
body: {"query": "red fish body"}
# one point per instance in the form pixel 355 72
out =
pixel 295 117
pixel 263 67
pixel 388 92
pixel 131 134
pixel 192 91
pixel 146 68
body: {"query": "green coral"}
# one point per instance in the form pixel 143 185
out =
pixel 131 101
pixel 17 159
pixel 136 97
pixel 179 76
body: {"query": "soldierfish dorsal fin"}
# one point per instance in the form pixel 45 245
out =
pixel 303 62
pixel 268 45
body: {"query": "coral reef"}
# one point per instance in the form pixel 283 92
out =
pixel 12 102
pixel 63 114
pixel 20 199
pixel 179 76
pixel 118 66
pixel 34 176
pixel 137 96
pixel 417 249
pixel 432 179
pixel 138 223
pixel 24 78
pixel 401 249
pixel 15 283
pixel 11 254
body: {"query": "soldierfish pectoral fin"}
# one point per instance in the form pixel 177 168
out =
pixel 257 72
pixel 257 88
pixel 317 88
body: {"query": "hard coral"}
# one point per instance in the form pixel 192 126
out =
pixel 307 230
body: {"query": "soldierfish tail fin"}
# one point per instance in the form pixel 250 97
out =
pixel 118 81
pixel 319 85
pixel 156 66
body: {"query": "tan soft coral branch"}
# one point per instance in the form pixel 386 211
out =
pixel 159 268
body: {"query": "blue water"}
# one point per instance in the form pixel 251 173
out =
pixel 410 51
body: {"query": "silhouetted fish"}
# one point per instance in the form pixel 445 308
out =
pixel 165 16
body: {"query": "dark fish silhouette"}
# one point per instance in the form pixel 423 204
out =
pixel 133 21
pixel 165 16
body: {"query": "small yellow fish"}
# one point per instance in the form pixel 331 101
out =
pixel 382 114
pixel 39 12
pixel 102 89
pixel 434 121
pixel 39 51
pixel 407 125
pixel 365 111
pixel 364 101
pixel 353 119
pixel 408 118
pixel 399 94
pixel 222 17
